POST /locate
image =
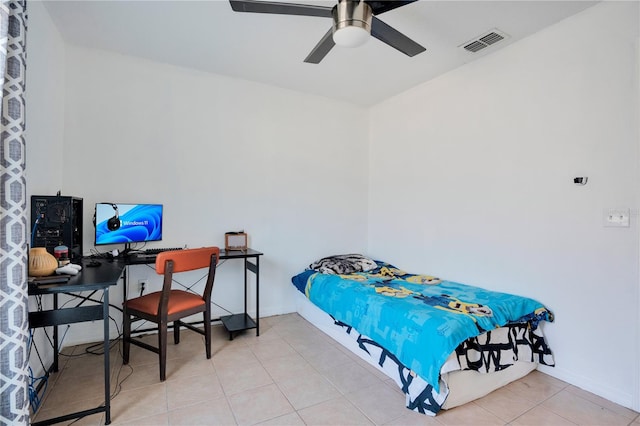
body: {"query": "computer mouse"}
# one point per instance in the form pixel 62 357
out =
pixel 67 270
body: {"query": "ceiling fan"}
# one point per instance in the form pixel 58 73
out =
pixel 353 22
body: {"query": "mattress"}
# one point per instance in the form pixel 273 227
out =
pixel 463 385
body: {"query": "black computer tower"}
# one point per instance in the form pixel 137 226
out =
pixel 59 223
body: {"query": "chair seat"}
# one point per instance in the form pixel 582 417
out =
pixel 179 300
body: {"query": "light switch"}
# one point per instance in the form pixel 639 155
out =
pixel 616 217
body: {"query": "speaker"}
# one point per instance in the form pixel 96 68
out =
pixel 57 220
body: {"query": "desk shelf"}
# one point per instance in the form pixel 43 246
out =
pixel 237 322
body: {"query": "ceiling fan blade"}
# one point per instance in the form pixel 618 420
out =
pixel 322 48
pixel 394 38
pixel 379 7
pixel 280 8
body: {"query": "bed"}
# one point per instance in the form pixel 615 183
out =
pixel 443 343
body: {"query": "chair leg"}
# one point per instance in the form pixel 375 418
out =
pixel 207 332
pixel 176 331
pixel 126 336
pixel 162 349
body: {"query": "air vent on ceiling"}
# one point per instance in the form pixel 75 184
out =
pixel 485 40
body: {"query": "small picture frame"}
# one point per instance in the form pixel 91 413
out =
pixel 235 241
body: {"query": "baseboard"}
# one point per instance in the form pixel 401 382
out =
pixel 585 383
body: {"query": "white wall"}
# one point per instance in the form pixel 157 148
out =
pixel 45 93
pixel 471 179
pixel 44 134
pixel 221 154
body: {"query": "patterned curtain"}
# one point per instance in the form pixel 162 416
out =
pixel 14 326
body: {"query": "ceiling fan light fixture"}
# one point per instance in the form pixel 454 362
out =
pixel 350 36
pixel 351 23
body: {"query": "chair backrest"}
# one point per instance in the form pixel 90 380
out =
pixel 187 259
pixel 168 262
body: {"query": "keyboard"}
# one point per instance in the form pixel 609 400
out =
pixel 160 250
pixel 141 257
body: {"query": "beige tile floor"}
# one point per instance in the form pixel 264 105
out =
pixel 292 374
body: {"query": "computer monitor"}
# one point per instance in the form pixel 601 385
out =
pixel 128 223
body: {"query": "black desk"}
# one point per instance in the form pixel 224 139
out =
pixel 89 279
pixel 235 322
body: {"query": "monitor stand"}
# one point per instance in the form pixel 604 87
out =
pixel 127 250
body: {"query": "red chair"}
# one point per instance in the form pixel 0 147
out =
pixel 163 307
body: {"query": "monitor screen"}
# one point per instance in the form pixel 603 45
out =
pixel 128 223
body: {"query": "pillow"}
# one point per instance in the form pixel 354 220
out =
pixel 343 264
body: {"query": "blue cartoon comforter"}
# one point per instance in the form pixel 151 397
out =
pixel 419 318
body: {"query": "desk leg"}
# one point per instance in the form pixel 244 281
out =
pixel 125 282
pixel 56 344
pixel 257 295
pixel 246 266
pixel 107 365
pixel 255 268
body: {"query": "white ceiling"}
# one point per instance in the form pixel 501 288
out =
pixel 209 36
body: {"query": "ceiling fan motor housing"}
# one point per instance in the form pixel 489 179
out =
pixel 350 18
